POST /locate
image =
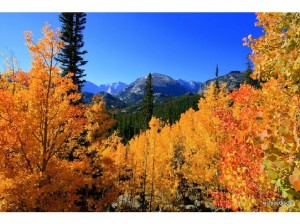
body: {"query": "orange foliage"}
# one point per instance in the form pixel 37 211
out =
pixel 37 121
pixel 242 174
pixel 101 172
pixel 276 58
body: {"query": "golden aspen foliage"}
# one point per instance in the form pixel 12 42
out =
pixel 277 52
pixel 161 156
pixel 202 136
pixel 150 159
pixel 125 182
pixel 99 122
pixel 102 176
pixel 37 121
pixel 280 138
pixel 101 173
pixel 276 59
pixel 170 160
pixel 294 179
pixel 163 173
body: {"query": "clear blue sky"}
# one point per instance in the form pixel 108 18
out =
pixel 125 46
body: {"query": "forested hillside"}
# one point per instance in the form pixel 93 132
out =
pixel 131 121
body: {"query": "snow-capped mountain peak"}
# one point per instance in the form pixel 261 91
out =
pixel 191 86
pixel 112 88
pixel 162 84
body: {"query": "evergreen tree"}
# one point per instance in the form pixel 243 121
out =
pixel 217 79
pixel 248 80
pixel 169 108
pixel 71 54
pixel 148 102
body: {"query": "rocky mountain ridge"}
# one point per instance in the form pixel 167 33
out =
pixel 233 80
pixel 111 88
pixel 163 86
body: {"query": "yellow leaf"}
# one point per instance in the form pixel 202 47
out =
pixel 295 179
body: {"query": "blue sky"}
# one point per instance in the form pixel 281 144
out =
pixel 125 46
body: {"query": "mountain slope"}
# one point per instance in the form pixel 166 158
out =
pixel 110 100
pixel 162 85
pixel 112 88
pixel 192 86
pixel 233 80
pixel 90 87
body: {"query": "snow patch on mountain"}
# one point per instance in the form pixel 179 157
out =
pixel 162 84
pixel 112 88
pixel 191 86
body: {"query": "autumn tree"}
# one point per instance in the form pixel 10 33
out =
pixel 99 122
pixel 264 168
pixel 276 52
pixel 37 120
pixel 276 62
pixel 247 186
pixel 101 189
pixel 151 160
pixel 202 138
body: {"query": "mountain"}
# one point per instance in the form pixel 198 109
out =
pixel 233 80
pixel 191 86
pixel 87 97
pixel 120 94
pixel 111 88
pixel 110 100
pixel 90 87
pixel 163 85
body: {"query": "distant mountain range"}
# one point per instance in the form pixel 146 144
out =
pixel 120 95
pixel 163 86
pixel 112 88
pixel 191 86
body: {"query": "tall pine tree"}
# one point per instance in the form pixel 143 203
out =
pixel 148 102
pixel 248 80
pixel 217 83
pixel 71 54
